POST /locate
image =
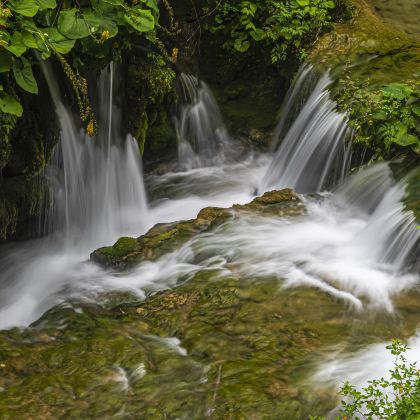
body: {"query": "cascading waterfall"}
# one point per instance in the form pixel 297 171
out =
pixel 301 87
pixel 97 184
pixel 316 147
pixel 97 196
pixel 203 139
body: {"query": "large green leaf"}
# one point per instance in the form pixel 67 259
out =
pixel 10 105
pixel 24 76
pixel 99 23
pixel 6 61
pixel 29 40
pixel 398 90
pixel 415 108
pixel 16 46
pixel 152 4
pixel 140 19
pixel 407 140
pixel 58 41
pixel 24 7
pixel 72 25
pixel 241 45
pixel 46 4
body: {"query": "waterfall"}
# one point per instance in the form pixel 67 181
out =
pixel 203 139
pixel 97 195
pixel 96 183
pixel 390 236
pixel 314 152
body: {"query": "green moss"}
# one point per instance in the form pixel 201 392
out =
pixel 23 202
pixel 412 199
pixel 149 96
pixel 167 237
pixel 249 346
pixel 369 58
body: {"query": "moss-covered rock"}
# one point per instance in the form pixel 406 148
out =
pixel 376 81
pixel 165 237
pixel 23 156
pixel 227 347
pixel 149 98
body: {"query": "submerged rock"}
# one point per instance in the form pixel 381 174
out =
pixel 167 237
pixel 214 347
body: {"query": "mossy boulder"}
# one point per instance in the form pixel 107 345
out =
pixel 165 237
pixel 376 79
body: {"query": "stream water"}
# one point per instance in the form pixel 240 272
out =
pixel 356 242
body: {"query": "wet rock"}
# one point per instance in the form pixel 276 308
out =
pixel 167 237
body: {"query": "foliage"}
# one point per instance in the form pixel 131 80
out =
pixel 394 398
pixel 288 26
pixel 384 118
pixel 55 29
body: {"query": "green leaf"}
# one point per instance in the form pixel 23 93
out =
pixel 380 116
pixel 100 23
pixel 258 34
pixel 5 61
pixel 398 90
pixel 72 26
pixel 152 4
pixel 140 19
pixel 29 40
pixel 27 8
pixel 58 41
pixel 329 4
pixel 302 3
pixel 10 105
pixel 46 4
pixel 415 108
pixel 24 76
pixel 241 45
pixel 17 46
pixel 407 140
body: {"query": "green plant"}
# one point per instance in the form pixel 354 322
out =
pixel 395 398
pixel 384 118
pixel 288 26
pixel 55 29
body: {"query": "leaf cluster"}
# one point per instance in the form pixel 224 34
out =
pixel 395 398
pixel 285 27
pixel 53 28
pixel 384 117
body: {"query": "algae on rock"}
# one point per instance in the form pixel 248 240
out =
pixel 375 69
pixel 128 252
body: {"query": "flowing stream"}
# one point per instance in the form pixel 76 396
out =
pixel 356 242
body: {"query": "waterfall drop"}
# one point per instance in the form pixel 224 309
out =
pixel 314 152
pixel 203 139
pixel 97 183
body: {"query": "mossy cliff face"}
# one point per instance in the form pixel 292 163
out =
pixel 219 345
pixel 148 105
pixel 375 69
pixel 162 238
pixel 26 151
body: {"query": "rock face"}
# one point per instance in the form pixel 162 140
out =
pixel 165 237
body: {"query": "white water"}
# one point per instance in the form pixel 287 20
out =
pixel 314 152
pixel 203 139
pixel 373 362
pixel 354 244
